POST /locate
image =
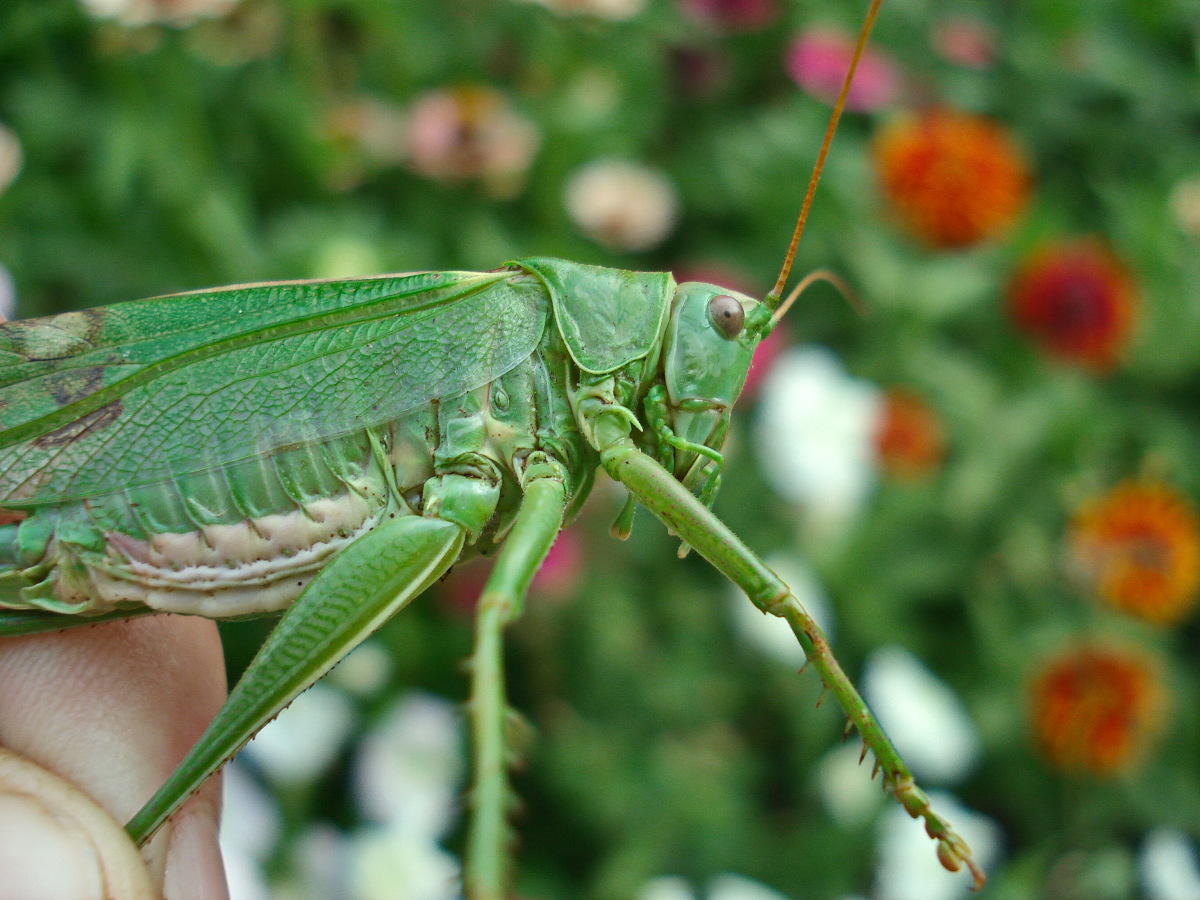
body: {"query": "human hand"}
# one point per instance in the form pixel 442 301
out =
pixel 110 710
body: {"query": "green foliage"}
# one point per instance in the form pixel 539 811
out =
pixel 279 140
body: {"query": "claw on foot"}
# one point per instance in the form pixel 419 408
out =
pixel 952 851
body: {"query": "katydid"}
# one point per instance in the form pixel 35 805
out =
pixel 332 448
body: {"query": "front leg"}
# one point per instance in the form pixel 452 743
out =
pixel 675 506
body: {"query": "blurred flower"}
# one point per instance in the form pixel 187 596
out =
pixel 318 858
pixel 469 132
pixel 965 41
pixel 376 127
pixel 818 61
pixel 909 437
pixel 10 157
pixel 1138 547
pixel 626 206
pixel 951 179
pixel 396 863
pixel 1095 708
pixel 770 634
pixel 844 784
pixel 1076 300
pixel 738 887
pixel 731 15
pixel 699 72
pixel 559 573
pixel 666 887
pixel 1170 868
pixel 1185 205
pixel 721 887
pixel 409 766
pixel 8 295
pixel 299 744
pixel 815 433
pixel 249 828
pixel 922 715
pixel 601 9
pixel 765 356
pixel 365 671
pixel 908 866
pixel 179 13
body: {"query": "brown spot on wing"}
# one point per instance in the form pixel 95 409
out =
pixel 81 427
pixel 76 385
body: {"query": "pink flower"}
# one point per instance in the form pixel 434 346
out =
pixel 818 59
pixel 560 571
pixel 732 15
pixel 765 353
pixel 964 41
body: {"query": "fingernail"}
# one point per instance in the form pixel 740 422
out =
pixel 45 856
pixel 194 867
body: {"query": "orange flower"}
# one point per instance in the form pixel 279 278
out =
pixel 1139 548
pixel 1095 708
pixel 952 179
pixel 908 437
pixel 1077 300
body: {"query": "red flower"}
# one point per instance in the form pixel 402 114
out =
pixel 1095 708
pixel 951 179
pixel 1077 301
pixel 1138 547
pixel 732 15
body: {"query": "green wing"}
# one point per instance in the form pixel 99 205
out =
pixel 92 402
pixel 607 317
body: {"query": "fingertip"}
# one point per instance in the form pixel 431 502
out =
pixel 194 867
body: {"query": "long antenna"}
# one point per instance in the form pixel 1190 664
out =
pixel 772 299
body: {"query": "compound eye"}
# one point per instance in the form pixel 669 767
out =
pixel 727 315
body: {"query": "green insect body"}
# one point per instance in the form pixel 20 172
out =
pixel 332 448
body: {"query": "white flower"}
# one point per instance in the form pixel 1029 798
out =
pixel 923 717
pixel 722 887
pixel 1185 205
pixel 845 785
pixel 409 767
pixel 1169 867
pixel 8 295
pixel 394 863
pixel 168 12
pixel 623 205
pixel 908 864
pixel 365 671
pixel 317 859
pixel 736 887
pixel 667 887
pixel 10 157
pixel 303 739
pixel 815 434
pixel 771 634
pixel 249 829
pixel 602 9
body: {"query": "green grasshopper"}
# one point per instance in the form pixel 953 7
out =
pixel 332 448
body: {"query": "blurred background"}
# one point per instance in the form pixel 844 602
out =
pixel 984 486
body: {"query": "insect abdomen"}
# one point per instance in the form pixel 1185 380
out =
pixel 235 540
